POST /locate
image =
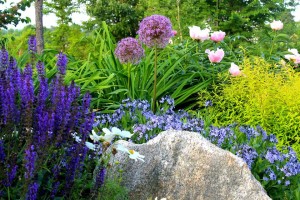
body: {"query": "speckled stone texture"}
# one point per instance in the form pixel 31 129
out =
pixel 181 165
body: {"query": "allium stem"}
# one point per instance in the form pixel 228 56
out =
pixel 155 77
pixel 129 90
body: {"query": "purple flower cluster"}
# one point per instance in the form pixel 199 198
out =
pixel 43 121
pixel 221 134
pixel 32 44
pixel 273 155
pixel 2 151
pixel 61 63
pixel 32 191
pixel 30 159
pixel 155 30
pixel 247 153
pixel 129 50
pixel 100 177
pixel 250 132
pixel 292 167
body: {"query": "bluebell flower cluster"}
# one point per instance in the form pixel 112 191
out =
pixel 219 135
pixel 248 154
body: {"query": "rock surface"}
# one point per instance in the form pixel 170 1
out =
pixel 181 165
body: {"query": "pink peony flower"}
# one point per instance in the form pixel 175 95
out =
pixel 197 34
pixel 234 70
pixel 276 25
pixel 217 36
pixel 295 56
pixel 215 56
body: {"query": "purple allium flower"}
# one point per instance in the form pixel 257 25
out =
pixel 32 191
pixel 100 177
pixel 2 151
pixel 129 51
pixel 155 30
pixel 30 158
pixel 248 154
pixel 32 44
pixel 61 63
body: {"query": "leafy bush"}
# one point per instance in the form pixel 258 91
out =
pixel 278 171
pixel 266 95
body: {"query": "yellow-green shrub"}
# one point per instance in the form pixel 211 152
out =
pixel 264 95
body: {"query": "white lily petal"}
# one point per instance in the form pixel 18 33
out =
pixel 116 131
pixel 90 146
pixel 125 134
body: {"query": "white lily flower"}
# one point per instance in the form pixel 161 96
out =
pixel 108 137
pixel 95 137
pixel 124 134
pixel 132 154
pixel 90 146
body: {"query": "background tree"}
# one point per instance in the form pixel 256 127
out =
pixel 63 9
pixel 39 26
pixel 123 16
pixel 12 15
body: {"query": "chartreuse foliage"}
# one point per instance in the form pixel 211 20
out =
pixel 265 95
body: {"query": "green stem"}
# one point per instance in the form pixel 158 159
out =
pixel 128 86
pixel 272 46
pixel 154 85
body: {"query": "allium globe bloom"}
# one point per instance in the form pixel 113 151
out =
pixel 217 36
pixel 276 25
pixel 197 34
pixel 129 51
pixel 234 70
pixel 215 56
pixel 155 30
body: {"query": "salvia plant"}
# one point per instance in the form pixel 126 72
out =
pixel 39 159
pixel 277 170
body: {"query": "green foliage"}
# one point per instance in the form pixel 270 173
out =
pixel 122 16
pixel 266 94
pixel 183 71
pixel 112 190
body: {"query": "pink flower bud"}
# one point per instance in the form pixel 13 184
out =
pixel 276 25
pixel 215 56
pixel 174 32
pixel 217 36
pixel 234 70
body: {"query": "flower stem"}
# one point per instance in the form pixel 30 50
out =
pixel 155 80
pixel 128 86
